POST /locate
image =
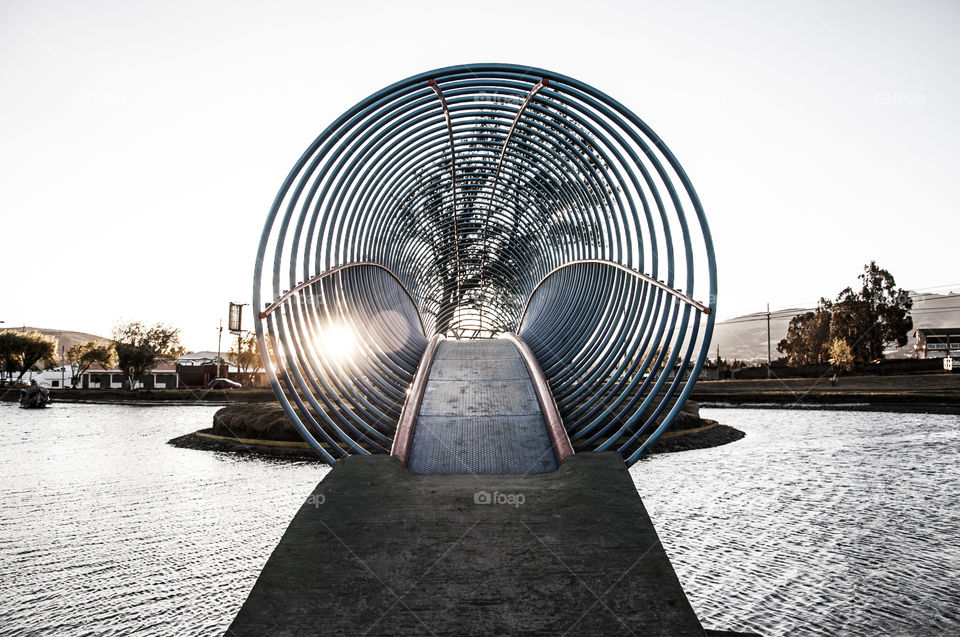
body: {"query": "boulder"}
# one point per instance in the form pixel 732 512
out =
pixel 261 421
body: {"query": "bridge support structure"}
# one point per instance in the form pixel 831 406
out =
pixel 470 202
pixel 448 209
pixel 377 550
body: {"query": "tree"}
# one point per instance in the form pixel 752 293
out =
pixel 139 348
pixel 474 238
pixel 808 336
pixel 874 317
pixel 83 356
pixel 246 356
pixel 887 308
pixel 22 351
pixel 866 321
pixel 840 355
pixel 851 323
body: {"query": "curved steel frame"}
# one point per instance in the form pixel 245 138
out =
pixel 472 201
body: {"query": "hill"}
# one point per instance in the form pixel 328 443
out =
pixel 65 338
pixel 745 337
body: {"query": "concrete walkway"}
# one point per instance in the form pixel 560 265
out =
pixel 479 414
pixel 377 550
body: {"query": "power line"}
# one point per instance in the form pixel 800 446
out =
pixel 936 287
pixel 937 310
pixel 795 312
pixel 763 317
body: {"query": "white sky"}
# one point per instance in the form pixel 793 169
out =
pixel 142 143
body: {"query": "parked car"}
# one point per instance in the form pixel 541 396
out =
pixel 223 383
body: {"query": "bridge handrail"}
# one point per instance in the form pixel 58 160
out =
pixel 322 275
pixel 551 415
pixel 411 406
pixel 640 275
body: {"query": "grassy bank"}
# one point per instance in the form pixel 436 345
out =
pixel 936 392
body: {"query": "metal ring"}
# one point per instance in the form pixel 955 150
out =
pixel 472 201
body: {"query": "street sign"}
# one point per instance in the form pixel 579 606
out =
pixel 948 364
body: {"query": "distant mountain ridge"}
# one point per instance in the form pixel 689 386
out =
pixel 65 338
pixel 742 337
pixel 745 337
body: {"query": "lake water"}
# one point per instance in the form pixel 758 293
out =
pixel 817 523
pixel 105 529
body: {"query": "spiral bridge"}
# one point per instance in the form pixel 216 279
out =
pixel 485 202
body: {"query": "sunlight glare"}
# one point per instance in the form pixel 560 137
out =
pixel 337 342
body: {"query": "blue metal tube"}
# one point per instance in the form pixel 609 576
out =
pixel 479 199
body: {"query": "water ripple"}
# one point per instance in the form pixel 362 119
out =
pixel 817 523
pixel 106 530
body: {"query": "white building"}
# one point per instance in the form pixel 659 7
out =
pixel 55 378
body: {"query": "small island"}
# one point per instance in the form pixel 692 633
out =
pixel 263 429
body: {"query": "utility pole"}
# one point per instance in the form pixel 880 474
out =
pixel 219 341
pixel 769 356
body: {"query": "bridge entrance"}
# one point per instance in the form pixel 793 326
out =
pixel 479 413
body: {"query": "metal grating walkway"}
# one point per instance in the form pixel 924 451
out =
pixel 479 414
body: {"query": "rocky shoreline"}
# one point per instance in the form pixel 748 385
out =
pixel 201 441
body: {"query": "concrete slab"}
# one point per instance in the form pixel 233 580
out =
pixel 376 550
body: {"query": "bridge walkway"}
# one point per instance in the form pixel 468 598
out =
pixel 377 550
pixel 509 541
pixel 480 414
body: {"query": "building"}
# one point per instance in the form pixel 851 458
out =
pixel 709 372
pixel 938 342
pixel 162 376
pixel 199 368
pixel 53 378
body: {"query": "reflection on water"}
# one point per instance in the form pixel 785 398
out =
pixel 106 529
pixel 817 523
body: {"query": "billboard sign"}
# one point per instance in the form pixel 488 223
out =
pixel 236 316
